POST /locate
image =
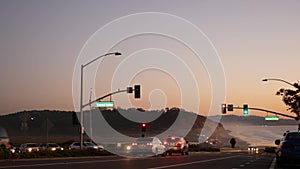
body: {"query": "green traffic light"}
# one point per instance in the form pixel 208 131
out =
pixel 246 109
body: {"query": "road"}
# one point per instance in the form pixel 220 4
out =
pixel 201 160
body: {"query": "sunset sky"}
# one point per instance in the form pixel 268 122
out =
pixel 40 42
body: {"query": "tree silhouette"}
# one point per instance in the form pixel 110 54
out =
pixel 291 98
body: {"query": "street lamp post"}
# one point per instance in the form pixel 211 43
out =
pixel 81 92
pixel 294 85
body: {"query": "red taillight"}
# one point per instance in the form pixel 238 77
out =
pixel 165 143
pixel 149 144
pixel 134 144
pixel 179 143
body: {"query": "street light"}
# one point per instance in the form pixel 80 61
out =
pixel 81 92
pixel 294 85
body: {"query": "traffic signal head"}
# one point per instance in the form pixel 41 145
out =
pixel 223 107
pixel 246 109
pixel 230 107
pixel 144 126
pixel 129 89
pixel 137 91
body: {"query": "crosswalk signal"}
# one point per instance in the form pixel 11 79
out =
pixel 223 107
pixel 144 126
pixel 246 112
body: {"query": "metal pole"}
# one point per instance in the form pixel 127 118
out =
pixel 81 93
pixel 91 125
pixel 81 113
pixel 281 80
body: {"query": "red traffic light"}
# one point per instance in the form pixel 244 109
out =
pixel 144 126
pixel 223 109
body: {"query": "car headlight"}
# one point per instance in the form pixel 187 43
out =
pixel 128 148
pixel 53 149
pixel 30 149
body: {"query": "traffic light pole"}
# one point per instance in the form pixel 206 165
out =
pixel 128 90
pixel 268 111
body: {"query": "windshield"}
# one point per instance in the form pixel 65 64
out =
pixel 32 145
pixel 149 139
pixel 293 136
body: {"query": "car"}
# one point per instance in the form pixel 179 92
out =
pixel 50 147
pixel 148 146
pixel 288 150
pixel 176 145
pixel 86 146
pixel 29 147
pixel 4 139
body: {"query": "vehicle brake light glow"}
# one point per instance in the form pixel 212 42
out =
pixel 149 144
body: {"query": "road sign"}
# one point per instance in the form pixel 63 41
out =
pixel 105 104
pixel 271 118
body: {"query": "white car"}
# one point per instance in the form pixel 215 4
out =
pixel 29 147
pixel 50 146
pixel 148 146
pixel 86 146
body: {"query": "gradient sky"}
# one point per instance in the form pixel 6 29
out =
pixel 41 40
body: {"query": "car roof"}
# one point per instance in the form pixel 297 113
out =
pixel 145 139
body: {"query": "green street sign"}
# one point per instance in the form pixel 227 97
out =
pixel 271 118
pixel 105 104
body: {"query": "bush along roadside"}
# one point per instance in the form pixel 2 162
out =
pixel 6 154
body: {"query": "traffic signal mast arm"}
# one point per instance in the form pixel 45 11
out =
pixel 100 98
pixel 268 111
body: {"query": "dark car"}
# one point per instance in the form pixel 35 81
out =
pixel 176 145
pixel 288 150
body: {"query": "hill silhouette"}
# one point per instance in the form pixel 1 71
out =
pixel 62 126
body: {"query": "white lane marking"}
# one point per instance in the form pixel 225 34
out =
pixel 194 162
pixel 60 163
pixel 272 166
pixel 242 165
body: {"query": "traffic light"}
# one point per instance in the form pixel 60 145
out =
pixel 246 109
pixel 137 91
pixel 230 107
pixel 129 89
pixel 144 126
pixel 223 107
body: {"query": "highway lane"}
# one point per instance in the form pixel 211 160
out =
pixel 194 160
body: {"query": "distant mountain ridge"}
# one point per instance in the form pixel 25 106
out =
pixel 61 127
